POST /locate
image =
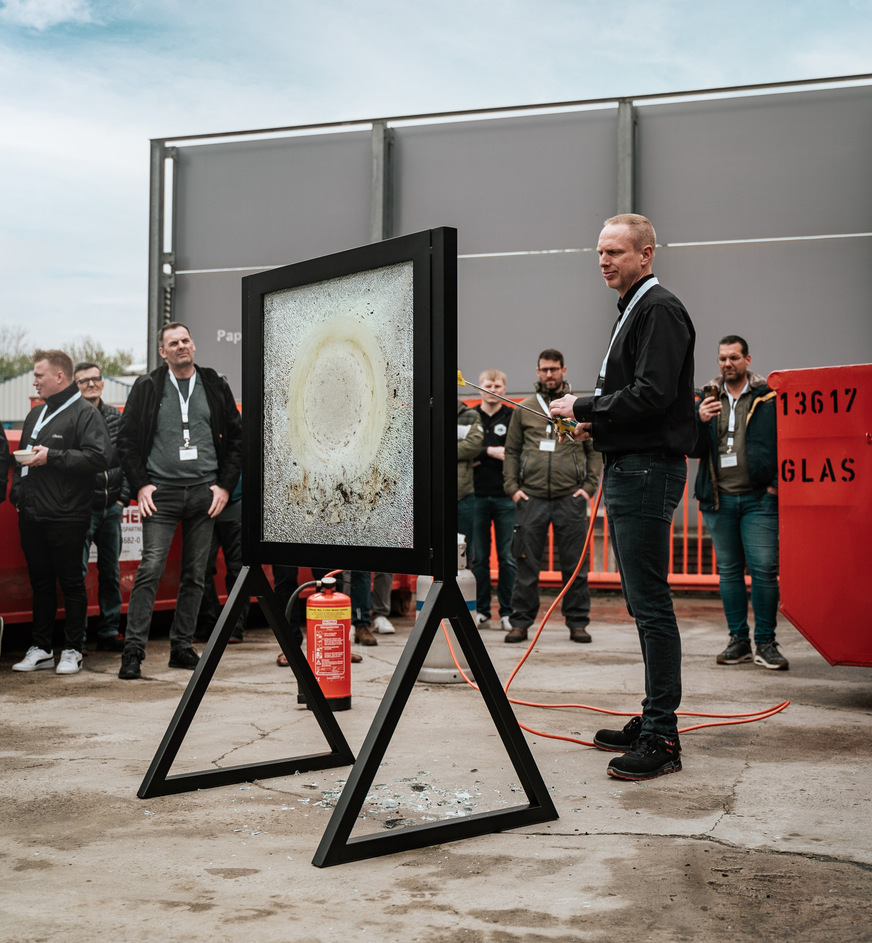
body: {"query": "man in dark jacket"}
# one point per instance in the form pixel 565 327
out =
pixel 111 495
pixel 642 417
pixel 492 505
pixel 53 490
pixel 181 450
pixel 737 490
pixel 550 482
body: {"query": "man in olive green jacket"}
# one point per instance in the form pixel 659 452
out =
pixel 550 482
pixel 470 436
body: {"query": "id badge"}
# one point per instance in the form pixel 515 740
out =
pixel 729 460
pixel 547 445
pixel 189 454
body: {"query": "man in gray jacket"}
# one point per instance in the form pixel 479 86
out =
pixel 550 482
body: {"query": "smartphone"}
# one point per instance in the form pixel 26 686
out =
pixel 709 390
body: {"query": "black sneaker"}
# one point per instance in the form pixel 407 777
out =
pixel 113 643
pixel 619 741
pixel 184 658
pixel 769 657
pixel 131 659
pixel 649 757
pixel 738 650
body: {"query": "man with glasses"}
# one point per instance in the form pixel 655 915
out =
pixel 550 482
pixel 111 495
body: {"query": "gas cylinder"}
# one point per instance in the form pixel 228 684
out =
pixel 439 666
pixel 328 644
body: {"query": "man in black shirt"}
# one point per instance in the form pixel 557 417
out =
pixel 642 417
pixel 493 505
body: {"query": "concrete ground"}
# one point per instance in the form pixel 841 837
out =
pixel 766 834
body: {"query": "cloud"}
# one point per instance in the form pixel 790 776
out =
pixel 44 14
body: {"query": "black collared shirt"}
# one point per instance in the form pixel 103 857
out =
pixel 647 399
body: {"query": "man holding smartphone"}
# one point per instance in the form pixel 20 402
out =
pixel 736 487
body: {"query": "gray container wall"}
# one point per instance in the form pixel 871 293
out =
pixel 791 166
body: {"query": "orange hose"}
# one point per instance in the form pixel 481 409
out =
pixel 727 719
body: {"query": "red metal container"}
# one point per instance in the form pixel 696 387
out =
pixel 825 507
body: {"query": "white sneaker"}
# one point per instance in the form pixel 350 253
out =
pixel 383 625
pixel 506 624
pixel 70 662
pixel 35 660
pixel 481 620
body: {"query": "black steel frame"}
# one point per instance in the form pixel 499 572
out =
pixel 444 601
pixel 422 250
pixel 158 782
pixel 435 469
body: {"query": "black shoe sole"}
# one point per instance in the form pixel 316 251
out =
pixel 673 766
pixel 129 675
pixel 611 747
pixel 734 661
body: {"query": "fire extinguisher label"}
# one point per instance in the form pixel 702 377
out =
pixel 330 615
pixel 330 641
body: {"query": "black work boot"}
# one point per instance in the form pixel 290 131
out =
pixel 619 741
pixel 131 658
pixel 649 757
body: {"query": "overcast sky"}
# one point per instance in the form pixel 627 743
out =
pixel 86 83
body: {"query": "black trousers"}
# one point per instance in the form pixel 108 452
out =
pixel 53 550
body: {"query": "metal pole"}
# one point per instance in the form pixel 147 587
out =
pixel 381 183
pixel 626 156
pixel 155 250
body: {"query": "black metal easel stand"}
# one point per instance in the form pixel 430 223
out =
pixel 444 601
pixel 158 782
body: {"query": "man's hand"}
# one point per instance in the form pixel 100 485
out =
pixel 581 493
pixel 563 406
pixel 497 451
pixel 144 499
pixel 220 497
pixel 520 495
pixel 709 408
pixel 581 433
pixel 40 453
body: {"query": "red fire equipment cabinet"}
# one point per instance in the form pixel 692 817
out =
pixel 825 507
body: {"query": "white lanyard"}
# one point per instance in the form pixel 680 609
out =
pixel 602 374
pixel 184 404
pixel 731 424
pixel 43 421
pixel 544 406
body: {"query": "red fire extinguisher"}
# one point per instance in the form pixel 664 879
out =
pixel 328 646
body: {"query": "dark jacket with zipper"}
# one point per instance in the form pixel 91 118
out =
pixel 139 423
pixel 111 485
pixel 78 446
pixel 542 473
pixel 647 396
pixel 760 445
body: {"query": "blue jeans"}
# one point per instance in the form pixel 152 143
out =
pixel 500 510
pixel 641 493
pixel 190 507
pixel 105 532
pixel 745 531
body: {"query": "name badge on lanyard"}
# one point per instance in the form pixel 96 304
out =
pixel 42 422
pixel 730 459
pixel 637 297
pixel 187 452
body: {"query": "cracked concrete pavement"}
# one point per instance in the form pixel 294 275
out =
pixel 765 834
